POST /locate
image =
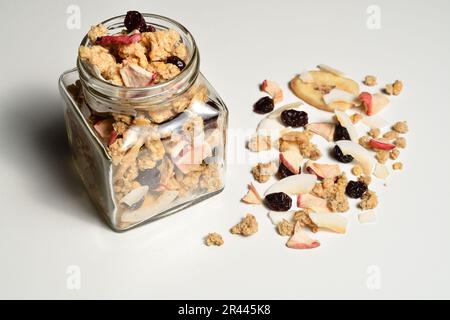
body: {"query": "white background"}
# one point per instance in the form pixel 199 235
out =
pixel 47 223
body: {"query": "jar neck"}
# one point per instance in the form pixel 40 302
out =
pixel 103 96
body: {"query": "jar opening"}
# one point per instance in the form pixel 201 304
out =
pixel 135 97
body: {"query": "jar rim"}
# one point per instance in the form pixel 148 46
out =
pixel 191 69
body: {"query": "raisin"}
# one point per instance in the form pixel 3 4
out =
pixel 279 201
pixel 283 171
pixel 264 105
pixel 176 61
pixel 150 178
pixel 294 118
pixel 341 133
pixel 135 20
pixel 341 157
pixel 355 189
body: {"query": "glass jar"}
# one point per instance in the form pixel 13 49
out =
pixel 146 152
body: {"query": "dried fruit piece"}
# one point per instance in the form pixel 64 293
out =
pixel 347 123
pixel 284 172
pixel 381 171
pixel 381 145
pixel 135 196
pixel 104 128
pixel 150 178
pixel 306 77
pixel 355 189
pixel 264 105
pixel 296 184
pixel 277 216
pixel 363 156
pixel 119 39
pixel 366 101
pixel 277 112
pixel 252 196
pixel 379 102
pixel 374 122
pixel 301 240
pixel 292 160
pixel 278 201
pixel 334 222
pixel 309 201
pixel 322 170
pixel 340 96
pixel 341 133
pixel 294 118
pixel 134 20
pixel 273 89
pixel 323 129
pixel 313 92
pixel 340 156
pixel 331 70
pixel 135 76
pixel 176 61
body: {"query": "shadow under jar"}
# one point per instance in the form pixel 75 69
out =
pixel 146 152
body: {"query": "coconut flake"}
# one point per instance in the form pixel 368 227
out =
pixel 278 216
pixel 359 153
pixel 374 122
pixel 330 221
pixel 381 171
pixel 367 217
pixel 296 184
pixel 338 95
pixel 134 196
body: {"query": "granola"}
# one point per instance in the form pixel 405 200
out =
pixel 394 88
pixel 247 227
pixel 401 127
pixel 214 239
pixel 400 142
pixel 285 228
pixel 369 200
pixel 397 166
pixel 260 143
pixel 303 218
pixel 370 81
pixel 262 172
pixel 333 192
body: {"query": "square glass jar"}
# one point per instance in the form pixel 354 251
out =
pixel 147 152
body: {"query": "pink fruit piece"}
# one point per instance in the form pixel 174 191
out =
pixel 191 156
pixel 367 103
pixel 309 201
pixel 252 196
pixel 273 89
pixel 301 240
pixel 323 171
pixel 292 159
pixel 323 129
pixel 381 145
pixel 113 137
pixel 379 102
pixel 135 76
pixel 119 39
pixel 104 128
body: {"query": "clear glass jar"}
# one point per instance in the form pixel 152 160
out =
pixel 146 152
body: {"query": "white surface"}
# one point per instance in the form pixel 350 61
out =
pixel 48 224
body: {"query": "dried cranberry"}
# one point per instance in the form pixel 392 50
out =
pixel 135 20
pixel 341 133
pixel 283 171
pixel 341 157
pixel 355 189
pixel 279 201
pixel 294 118
pixel 176 61
pixel 150 178
pixel 264 105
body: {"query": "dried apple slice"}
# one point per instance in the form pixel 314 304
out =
pixel 313 92
pixel 334 222
pixel 368 216
pixel 381 145
pixel 136 76
pixel 119 39
pixel 278 216
pixel 323 170
pixel 306 77
pixel 296 184
pixel 273 89
pixel 252 196
pixel 292 159
pixel 104 128
pixel 373 103
pixel 301 240
pixel 323 129
pixel 309 201
pixel 347 123
pixel 359 153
